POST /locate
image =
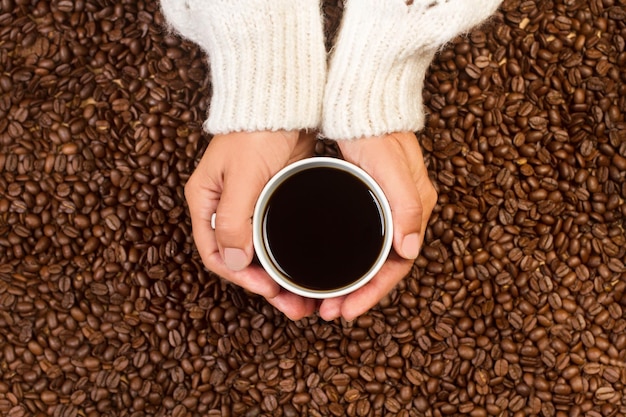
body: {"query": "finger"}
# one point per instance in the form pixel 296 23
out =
pixel 384 158
pixel 233 221
pixel 404 196
pixel 292 305
pixel 253 278
pixel 330 309
pixel 243 179
pixel 428 195
pixel 406 211
pixel 202 203
pixel 366 297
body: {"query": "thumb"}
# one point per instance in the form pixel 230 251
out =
pixel 233 219
pixel 406 209
pixel 385 159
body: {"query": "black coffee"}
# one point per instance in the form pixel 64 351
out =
pixel 324 228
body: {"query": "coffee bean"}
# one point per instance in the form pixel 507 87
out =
pixel 604 393
pixel 17 411
pixel 522 263
pixel 49 397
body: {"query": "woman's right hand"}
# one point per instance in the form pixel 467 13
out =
pixel 227 181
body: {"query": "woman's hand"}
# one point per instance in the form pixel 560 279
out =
pixel 396 162
pixel 227 181
pixel 235 168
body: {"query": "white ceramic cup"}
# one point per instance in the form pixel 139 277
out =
pixel 264 253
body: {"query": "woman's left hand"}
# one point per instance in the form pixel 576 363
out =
pixel 396 162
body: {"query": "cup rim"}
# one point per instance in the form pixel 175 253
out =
pixel 257 224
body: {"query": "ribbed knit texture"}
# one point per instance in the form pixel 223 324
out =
pixel 383 51
pixel 267 60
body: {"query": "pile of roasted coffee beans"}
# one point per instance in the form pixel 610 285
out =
pixel 515 307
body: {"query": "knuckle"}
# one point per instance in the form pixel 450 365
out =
pixel 225 224
pixel 432 196
pixel 230 226
pixel 412 210
pixel 187 188
pixel 429 196
pixel 190 185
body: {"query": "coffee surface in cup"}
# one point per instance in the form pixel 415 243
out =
pixel 324 228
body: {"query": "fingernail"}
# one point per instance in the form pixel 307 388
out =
pixel 235 259
pixel 411 246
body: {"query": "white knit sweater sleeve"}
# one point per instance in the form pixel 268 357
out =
pixel 380 59
pixel 267 60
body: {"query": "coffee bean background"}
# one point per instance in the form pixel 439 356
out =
pixel 514 308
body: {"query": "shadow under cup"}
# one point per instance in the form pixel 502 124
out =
pixel 322 227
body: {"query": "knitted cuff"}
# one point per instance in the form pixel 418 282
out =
pixel 267 60
pixel 383 51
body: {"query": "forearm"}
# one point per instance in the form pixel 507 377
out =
pixel 383 51
pixel 266 57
